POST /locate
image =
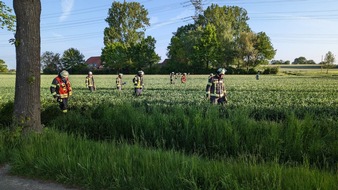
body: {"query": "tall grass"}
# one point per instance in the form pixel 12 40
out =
pixel 210 131
pixel 99 165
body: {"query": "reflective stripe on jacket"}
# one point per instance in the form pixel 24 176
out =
pixel 118 81
pixel 215 87
pixel 60 87
pixel 138 82
pixel 89 81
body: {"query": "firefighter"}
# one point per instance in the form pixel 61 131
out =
pixel 61 90
pixel 257 75
pixel 119 82
pixel 90 83
pixel 211 75
pixel 138 83
pixel 215 89
pixel 172 75
pixel 184 78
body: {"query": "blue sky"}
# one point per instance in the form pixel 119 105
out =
pixel 296 28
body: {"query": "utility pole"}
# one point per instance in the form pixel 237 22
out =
pixel 198 8
pixel 198 4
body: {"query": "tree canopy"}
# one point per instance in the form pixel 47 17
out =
pixel 72 58
pixel 329 61
pixel 126 23
pixel 51 62
pixel 3 66
pixel 126 47
pixel 220 36
pixel 6 18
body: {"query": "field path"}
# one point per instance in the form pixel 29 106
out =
pixel 10 182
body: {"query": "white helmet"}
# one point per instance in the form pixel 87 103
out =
pixel 140 73
pixel 90 73
pixel 120 74
pixel 64 73
pixel 221 71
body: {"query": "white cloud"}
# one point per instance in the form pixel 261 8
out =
pixel 67 6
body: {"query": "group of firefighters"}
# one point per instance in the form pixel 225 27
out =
pixel 61 87
pixel 173 77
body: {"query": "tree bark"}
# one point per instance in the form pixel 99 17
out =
pixel 27 107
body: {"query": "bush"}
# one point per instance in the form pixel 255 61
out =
pixel 271 70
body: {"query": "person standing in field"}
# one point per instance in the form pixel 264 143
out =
pixel 90 83
pixel 61 90
pixel 172 75
pixel 119 82
pixel 184 78
pixel 215 89
pixel 257 75
pixel 138 83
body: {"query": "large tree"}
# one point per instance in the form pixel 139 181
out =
pixel 127 22
pixel 219 37
pixel 300 60
pixel 27 107
pixel 205 49
pixel 229 21
pixel 181 48
pixel 143 53
pixel 125 45
pixel 329 61
pixel 247 51
pixel 72 59
pixel 264 47
pixel 50 62
pixel 3 66
pixel 115 56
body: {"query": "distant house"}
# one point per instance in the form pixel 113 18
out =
pixel 94 62
pixel 164 63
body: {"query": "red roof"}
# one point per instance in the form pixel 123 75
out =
pixel 94 61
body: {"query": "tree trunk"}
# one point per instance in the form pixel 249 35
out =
pixel 27 107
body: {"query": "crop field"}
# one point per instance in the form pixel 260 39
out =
pixel 313 94
pixel 279 132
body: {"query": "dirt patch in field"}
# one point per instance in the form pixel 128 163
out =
pixel 10 182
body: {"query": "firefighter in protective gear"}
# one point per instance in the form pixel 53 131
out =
pixel 61 90
pixel 90 82
pixel 215 89
pixel 172 75
pixel 184 78
pixel 138 83
pixel 119 82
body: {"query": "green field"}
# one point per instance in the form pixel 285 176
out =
pixel 306 69
pixel 279 132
